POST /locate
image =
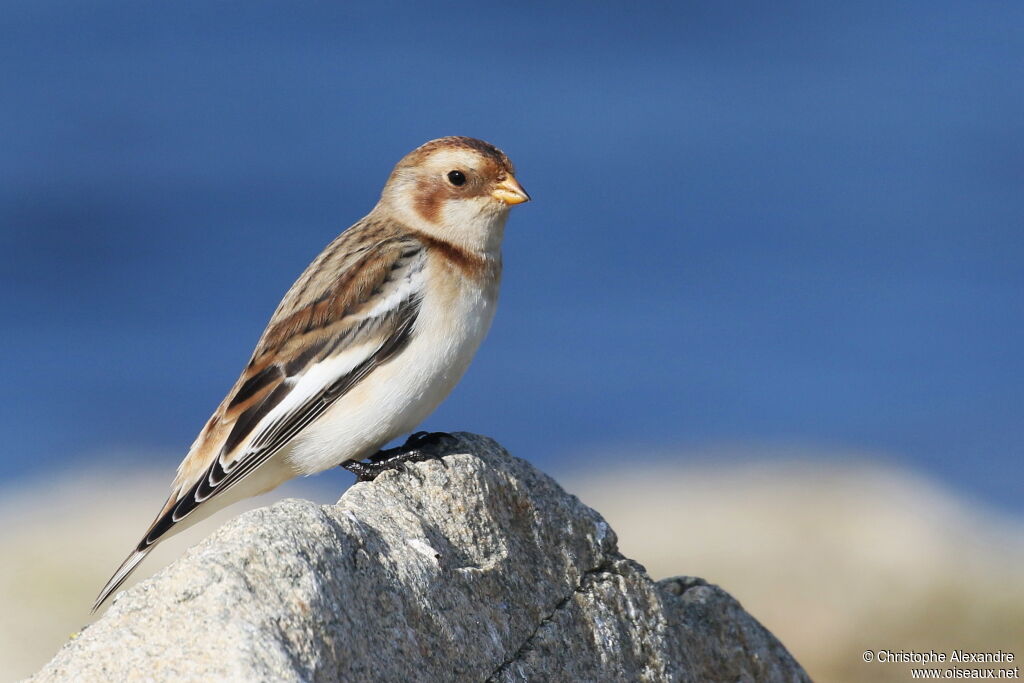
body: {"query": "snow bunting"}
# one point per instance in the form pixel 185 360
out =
pixel 365 345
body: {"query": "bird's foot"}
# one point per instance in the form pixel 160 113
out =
pixel 423 442
pixel 417 448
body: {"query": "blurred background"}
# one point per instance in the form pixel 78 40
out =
pixel 765 311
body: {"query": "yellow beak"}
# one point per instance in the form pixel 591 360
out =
pixel 510 192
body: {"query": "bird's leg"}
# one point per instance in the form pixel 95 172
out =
pixel 418 447
pixel 418 442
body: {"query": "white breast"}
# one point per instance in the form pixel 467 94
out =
pixel 454 317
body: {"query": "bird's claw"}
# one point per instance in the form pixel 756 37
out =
pixel 420 440
pixel 418 447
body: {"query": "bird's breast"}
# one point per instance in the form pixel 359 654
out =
pixel 454 315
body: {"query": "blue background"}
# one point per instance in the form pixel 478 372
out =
pixel 753 222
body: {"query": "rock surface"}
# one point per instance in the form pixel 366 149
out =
pixel 475 567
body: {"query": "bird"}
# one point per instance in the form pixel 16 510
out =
pixel 366 343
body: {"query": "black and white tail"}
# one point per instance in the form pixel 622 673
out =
pixel 122 573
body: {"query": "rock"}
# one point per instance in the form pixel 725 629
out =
pixel 475 567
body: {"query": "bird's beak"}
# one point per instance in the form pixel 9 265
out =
pixel 510 192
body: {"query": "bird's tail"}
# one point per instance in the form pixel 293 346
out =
pixel 122 573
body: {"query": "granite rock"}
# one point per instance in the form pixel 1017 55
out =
pixel 472 567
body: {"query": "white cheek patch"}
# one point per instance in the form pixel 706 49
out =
pixel 459 212
pixel 478 223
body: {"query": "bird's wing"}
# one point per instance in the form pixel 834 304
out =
pixel 352 310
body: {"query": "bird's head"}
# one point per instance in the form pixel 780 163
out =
pixel 457 189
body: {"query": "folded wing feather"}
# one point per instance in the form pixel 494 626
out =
pixel 352 310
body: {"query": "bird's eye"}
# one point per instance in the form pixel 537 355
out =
pixel 456 178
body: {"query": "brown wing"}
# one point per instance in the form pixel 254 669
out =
pixel 335 304
pixel 362 292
